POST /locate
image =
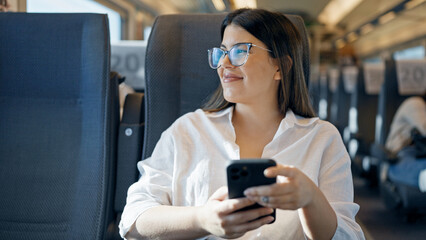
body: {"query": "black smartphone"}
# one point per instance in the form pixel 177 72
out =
pixel 246 173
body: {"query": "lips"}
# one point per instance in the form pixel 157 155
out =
pixel 230 77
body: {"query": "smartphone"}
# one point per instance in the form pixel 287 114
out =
pixel 246 173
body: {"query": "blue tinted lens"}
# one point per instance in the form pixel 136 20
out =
pixel 238 54
pixel 215 54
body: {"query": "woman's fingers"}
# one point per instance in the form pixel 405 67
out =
pixel 274 200
pixel 282 202
pixel 220 216
pixel 281 170
pixel 239 223
pixel 293 189
pixel 220 194
pixel 234 224
pixel 276 189
pixel 243 228
pixel 243 217
pixel 232 205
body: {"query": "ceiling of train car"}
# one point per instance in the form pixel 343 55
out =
pixel 409 25
pixel 363 12
pixel 174 6
pixel 307 8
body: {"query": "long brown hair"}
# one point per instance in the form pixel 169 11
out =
pixel 280 36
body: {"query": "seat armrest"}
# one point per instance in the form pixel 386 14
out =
pixel 133 110
pixel 130 138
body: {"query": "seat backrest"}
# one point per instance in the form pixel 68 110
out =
pixel 365 106
pixel 178 77
pixel 388 102
pixel 58 121
pixel 315 94
pixel 340 103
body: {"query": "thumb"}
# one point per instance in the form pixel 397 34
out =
pixel 220 194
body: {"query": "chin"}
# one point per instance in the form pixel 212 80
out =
pixel 232 95
pixel 231 99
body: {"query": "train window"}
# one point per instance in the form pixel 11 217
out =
pixel 417 52
pixel 78 6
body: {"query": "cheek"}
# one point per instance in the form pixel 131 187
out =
pixel 219 72
pixel 259 73
pixel 254 76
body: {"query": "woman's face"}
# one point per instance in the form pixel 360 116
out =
pixel 257 80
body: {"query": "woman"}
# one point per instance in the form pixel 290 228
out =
pixel 261 110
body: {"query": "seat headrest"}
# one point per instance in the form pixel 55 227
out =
pixel 73 53
pixel 374 76
pixel 411 76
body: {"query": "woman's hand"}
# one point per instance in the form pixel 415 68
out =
pixel 219 218
pixel 295 190
pixel 292 191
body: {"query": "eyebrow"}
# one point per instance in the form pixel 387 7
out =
pixel 221 45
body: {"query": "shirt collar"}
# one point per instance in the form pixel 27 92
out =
pixel 292 119
pixel 288 122
pixel 225 112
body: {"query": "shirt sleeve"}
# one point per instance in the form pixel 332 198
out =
pixel 154 185
pixel 335 181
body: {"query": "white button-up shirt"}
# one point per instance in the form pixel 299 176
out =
pixel 189 163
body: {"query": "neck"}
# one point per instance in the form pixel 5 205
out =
pixel 259 115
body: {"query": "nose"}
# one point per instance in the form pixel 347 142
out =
pixel 225 62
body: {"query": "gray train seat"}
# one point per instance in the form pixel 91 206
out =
pixel 58 121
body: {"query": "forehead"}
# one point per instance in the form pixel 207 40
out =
pixel 235 34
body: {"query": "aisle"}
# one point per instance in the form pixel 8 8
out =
pixel 380 222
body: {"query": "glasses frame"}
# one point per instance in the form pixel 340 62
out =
pixel 226 52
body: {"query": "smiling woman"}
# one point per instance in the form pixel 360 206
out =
pixel 264 113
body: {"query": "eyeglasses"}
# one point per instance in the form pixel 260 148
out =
pixel 237 55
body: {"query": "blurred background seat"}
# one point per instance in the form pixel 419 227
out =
pixel 396 192
pixel 339 107
pixel 362 116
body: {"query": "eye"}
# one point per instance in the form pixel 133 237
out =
pixel 239 50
